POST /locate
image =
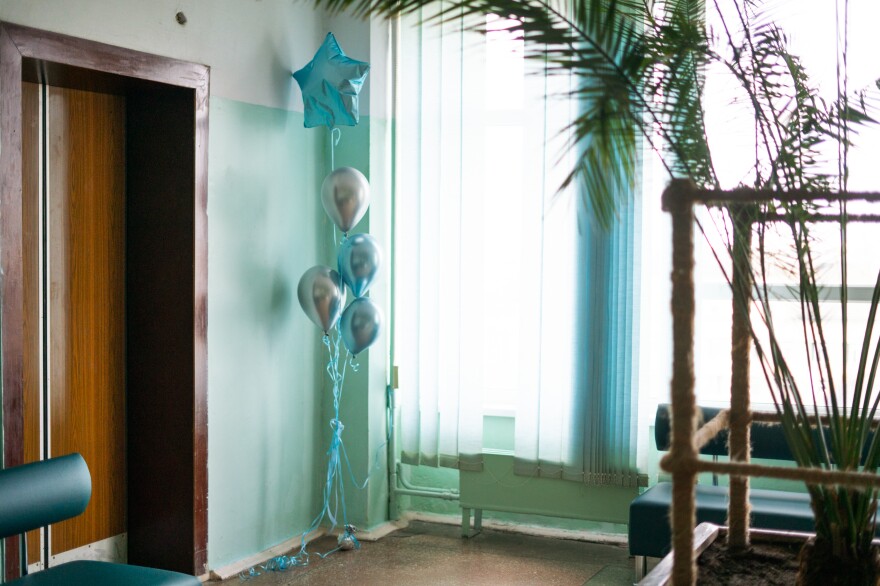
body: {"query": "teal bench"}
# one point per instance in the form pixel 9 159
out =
pixel 46 492
pixel 649 528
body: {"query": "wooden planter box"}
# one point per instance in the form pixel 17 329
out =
pixel 705 535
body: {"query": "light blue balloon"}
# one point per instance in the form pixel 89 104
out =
pixel 359 259
pixel 330 84
pixel 360 324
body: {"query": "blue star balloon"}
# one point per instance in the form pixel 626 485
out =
pixel 330 85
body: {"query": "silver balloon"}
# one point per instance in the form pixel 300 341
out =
pixel 345 195
pixel 360 324
pixel 322 296
pixel 359 258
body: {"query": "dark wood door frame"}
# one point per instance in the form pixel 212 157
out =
pixel 35 55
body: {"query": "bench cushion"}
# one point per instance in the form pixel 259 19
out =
pixel 649 529
pixel 82 573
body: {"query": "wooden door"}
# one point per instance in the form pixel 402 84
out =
pixel 73 254
pixel 162 447
pixel 85 134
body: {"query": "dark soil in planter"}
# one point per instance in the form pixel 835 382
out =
pixel 764 563
pixel 777 563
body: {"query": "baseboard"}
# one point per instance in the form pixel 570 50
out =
pixel 508 527
pixel 236 568
pixel 431 518
pixel 381 530
pixel 113 549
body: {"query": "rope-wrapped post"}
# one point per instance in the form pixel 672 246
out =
pixel 682 457
pixel 740 416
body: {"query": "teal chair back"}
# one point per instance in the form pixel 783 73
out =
pixel 42 493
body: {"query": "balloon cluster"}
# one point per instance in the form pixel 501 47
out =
pixel 330 84
pixel 345 195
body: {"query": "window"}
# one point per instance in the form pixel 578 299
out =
pixel 527 242
pixel 813 37
pixel 506 299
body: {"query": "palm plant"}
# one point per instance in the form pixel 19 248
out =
pixel 822 391
pixel 642 67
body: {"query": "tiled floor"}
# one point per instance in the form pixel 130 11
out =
pixel 434 555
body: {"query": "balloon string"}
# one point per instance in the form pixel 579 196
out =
pixel 351 360
pixel 335 135
pixel 333 490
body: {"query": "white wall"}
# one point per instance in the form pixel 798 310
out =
pixel 251 45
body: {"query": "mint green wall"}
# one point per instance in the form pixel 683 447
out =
pixel 267 372
pixel 266 360
pixel 267 227
pixel 264 385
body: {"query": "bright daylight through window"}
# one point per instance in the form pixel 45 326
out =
pixel 811 29
pixel 527 225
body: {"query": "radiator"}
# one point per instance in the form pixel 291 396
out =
pixel 496 488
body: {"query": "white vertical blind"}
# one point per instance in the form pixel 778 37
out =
pixel 437 344
pixel 508 299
